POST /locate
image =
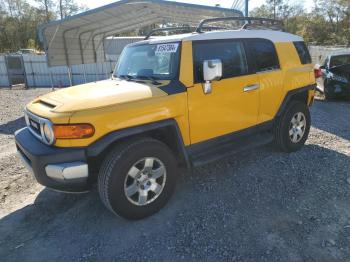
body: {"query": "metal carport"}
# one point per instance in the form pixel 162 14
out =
pixel 79 39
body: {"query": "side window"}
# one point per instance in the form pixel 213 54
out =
pixel 264 54
pixel 231 53
pixel 303 52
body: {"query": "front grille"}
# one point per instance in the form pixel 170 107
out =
pixel 34 125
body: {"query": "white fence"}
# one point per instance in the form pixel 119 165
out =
pixel 318 53
pixel 38 74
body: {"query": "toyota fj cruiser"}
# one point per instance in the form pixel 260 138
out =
pixel 173 103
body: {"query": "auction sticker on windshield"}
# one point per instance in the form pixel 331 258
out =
pixel 167 48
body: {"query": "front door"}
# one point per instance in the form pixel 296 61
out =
pixel 234 102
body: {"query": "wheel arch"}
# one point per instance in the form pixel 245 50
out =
pixel 166 131
pixel 300 94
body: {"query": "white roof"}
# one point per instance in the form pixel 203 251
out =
pixel 274 36
pixel 79 39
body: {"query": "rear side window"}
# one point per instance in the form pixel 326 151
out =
pixel 303 52
pixel 264 54
pixel 231 53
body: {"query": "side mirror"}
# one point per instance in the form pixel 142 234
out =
pixel 212 70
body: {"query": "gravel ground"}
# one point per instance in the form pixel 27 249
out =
pixel 261 205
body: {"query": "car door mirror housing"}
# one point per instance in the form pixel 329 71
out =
pixel 212 70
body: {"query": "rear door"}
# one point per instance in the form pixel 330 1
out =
pixel 234 102
pixel 270 76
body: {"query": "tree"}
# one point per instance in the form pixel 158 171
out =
pixel 275 5
pixel 48 7
pixel 69 7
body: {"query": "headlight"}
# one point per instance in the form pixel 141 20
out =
pixel 48 133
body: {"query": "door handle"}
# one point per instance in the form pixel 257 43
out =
pixel 251 87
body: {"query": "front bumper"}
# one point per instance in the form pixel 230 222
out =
pixel 63 169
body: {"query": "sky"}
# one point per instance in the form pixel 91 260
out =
pixel 224 3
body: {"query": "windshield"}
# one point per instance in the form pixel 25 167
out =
pixel 340 60
pixel 158 61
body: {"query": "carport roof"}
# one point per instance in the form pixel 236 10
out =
pixel 79 39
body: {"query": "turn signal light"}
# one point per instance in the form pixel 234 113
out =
pixel 73 131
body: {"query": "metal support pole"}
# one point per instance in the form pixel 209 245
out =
pixel 7 71
pixel 51 79
pixel 96 73
pixel 104 65
pixel 84 70
pixel 246 7
pixel 32 72
pixel 70 75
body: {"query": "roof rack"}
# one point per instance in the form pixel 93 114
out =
pixel 248 22
pixel 188 28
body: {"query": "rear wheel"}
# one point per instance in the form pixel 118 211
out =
pixel 292 129
pixel 136 180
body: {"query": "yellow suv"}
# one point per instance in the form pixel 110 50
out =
pixel 173 103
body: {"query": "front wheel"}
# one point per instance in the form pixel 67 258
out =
pixel 137 179
pixel 292 129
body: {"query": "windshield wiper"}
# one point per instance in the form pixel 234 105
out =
pixel 152 78
pixel 130 78
pixel 126 77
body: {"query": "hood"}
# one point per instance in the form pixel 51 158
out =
pixel 98 94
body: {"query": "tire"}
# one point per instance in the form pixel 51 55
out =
pixel 121 173
pixel 290 133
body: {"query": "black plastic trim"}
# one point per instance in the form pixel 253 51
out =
pixel 95 149
pixel 40 155
pixel 174 87
pixel 227 144
pixel 290 95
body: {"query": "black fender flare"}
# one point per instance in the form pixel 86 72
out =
pixel 99 146
pixel 290 95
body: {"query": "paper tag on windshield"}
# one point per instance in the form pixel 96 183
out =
pixel 166 48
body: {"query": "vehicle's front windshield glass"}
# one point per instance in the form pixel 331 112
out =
pixel 340 60
pixel 149 61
